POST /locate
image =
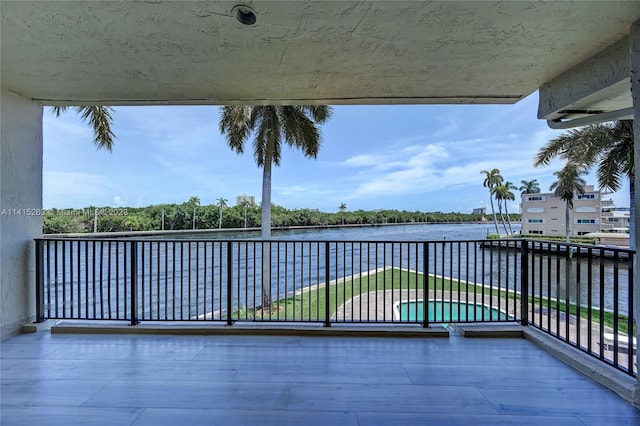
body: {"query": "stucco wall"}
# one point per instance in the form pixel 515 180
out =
pixel 20 189
pixel 634 48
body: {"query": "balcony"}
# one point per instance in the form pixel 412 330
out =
pixel 191 313
pixel 349 332
pixel 581 295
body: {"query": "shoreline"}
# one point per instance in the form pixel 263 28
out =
pixel 120 234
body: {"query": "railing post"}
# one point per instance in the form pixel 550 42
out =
pixel 327 292
pixel 39 281
pixel 133 259
pixel 524 282
pixel 229 283
pixel 425 285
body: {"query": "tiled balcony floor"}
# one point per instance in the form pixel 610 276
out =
pixel 59 379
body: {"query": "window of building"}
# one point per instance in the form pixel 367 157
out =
pixel 586 221
pixel 535 221
pixel 533 231
pixel 586 209
pixel 587 197
pixel 535 198
pixel 535 210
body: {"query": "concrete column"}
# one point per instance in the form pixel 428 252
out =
pixel 634 45
pixel 20 208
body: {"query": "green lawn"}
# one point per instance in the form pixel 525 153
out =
pixel 311 305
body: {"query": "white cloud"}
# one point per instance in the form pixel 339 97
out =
pixel 414 157
pixel 363 160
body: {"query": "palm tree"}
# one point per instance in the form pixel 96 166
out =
pixel 492 179
pixel 607 145
pixel 529 187
pixel 503 194
pixel 245 205
pixel 342 208
pixel 100 118
pixel 222 203
pixel 568 184
pixel 271 126
pixel 193 203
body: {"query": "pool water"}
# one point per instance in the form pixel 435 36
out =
pixel 446 311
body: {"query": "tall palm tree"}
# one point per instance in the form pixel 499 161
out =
pixel 529 187
pixel 272 126
pixel 222 204
pixel 568 184
pixel 609 146
pixel 503 194
pixel 100 118
pixel 245 205
pixel 193 203
pixel 492 179
pixel 342 208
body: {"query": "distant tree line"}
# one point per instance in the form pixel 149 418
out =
pixel 191 215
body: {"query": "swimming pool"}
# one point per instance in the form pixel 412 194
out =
pixel 447 311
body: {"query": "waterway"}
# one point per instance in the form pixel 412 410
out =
pixel 298 256
pixel 388 232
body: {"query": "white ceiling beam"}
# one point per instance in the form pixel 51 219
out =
pixel 599 84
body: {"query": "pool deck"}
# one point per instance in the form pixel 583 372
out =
pixel 125 379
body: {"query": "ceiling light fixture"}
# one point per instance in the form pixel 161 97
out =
pixel 244 14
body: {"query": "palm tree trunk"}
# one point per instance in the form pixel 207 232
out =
pixel 504 225
pixel 220 221
pixel 495 219
pixel 508 218
pixel 265 228
pixel 567 219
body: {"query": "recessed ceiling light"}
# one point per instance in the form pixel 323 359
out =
pixel 244 14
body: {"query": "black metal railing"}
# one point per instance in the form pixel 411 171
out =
pixel 583 295
pixel 579 294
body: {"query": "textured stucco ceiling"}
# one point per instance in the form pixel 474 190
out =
pixel 339 52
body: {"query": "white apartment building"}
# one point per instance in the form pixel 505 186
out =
pixel 544 214
pixel 248 198
pixel 615 219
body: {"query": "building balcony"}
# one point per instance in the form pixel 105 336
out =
pixel 347 332
pixel 344 282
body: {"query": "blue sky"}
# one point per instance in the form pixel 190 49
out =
pixel 425 157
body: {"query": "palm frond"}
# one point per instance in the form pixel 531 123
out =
pixel 235 124
pixel 569 182
pixel 101 119
pixel 57 110
pixel 583 145
pixel 614 166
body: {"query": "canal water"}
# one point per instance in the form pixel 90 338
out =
pixel 390 232
pixel 201 264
